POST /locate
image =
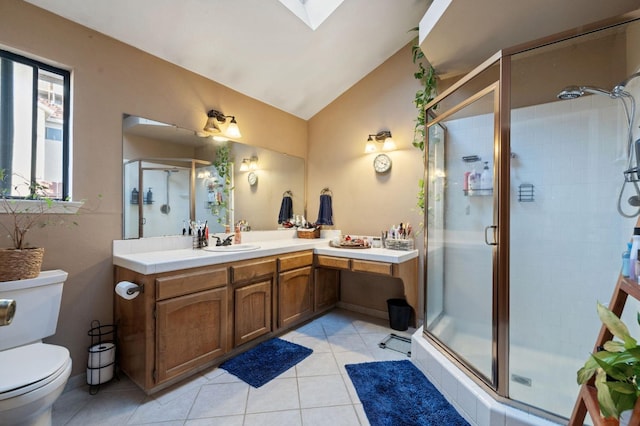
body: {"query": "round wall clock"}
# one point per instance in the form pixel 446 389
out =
pixel 382 163
pixel 252 178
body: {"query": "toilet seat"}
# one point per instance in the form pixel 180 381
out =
pixel 30 367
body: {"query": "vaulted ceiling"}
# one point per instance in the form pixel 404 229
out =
pixel 268 49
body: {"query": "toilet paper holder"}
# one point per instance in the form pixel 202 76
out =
pixel 139 288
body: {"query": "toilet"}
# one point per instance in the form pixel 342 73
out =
pixel 33 374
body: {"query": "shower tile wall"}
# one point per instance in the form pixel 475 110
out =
pixel 566 245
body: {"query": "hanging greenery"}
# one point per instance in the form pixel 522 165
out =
pixel 222 163
pixel 426 75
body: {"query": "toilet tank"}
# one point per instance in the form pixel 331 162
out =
pixel 37 307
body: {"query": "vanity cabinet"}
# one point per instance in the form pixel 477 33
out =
pixel 186 320
pixel 191 320
pixel 179 322
pixel 253 288
pixel 295 286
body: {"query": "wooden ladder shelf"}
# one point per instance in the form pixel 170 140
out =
pixel 587 398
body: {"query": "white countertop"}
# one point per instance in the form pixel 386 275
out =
pixel 166 260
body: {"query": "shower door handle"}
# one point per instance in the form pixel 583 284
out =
pixel 486 240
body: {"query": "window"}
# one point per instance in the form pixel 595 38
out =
pixel 34 125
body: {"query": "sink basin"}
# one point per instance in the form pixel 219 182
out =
pixel 233 247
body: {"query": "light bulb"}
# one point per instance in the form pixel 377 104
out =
pixel 232 130
pixel 370 146
pixel 389 145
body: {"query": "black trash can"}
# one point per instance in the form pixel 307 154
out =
pixel 399 314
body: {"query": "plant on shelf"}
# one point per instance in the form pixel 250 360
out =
pixel 223 166
pixel 616 368
pixel 27 206
pixel 426 75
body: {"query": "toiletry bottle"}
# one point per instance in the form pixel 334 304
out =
pixel 486 180
pixel 237 238
pixel 465 182
pixel 134 196
pixel 638 266
pixel 149 199
pixel 626 258
pixel 635 246
pixel 474 182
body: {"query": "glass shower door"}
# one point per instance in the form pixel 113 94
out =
pixel 460 231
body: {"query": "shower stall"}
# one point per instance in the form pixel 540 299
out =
pixel 531 200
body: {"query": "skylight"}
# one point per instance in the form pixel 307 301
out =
pixel 312 12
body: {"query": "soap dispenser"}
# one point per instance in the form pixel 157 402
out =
pixel 633 256
pixel 626 260
pixel 474 180
pixel 486 180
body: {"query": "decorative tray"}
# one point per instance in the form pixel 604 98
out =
pixel 349 245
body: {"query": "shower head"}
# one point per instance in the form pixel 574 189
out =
pixel 572 92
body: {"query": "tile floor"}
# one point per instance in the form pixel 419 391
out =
pixel 317 391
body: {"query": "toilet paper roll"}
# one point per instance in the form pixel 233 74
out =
pixel 127 290
pixel 102 355
pixel 96 376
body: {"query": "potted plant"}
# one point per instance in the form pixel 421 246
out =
pixel 25 212
pixel 616 369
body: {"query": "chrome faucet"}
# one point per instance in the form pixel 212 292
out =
pixel 226 242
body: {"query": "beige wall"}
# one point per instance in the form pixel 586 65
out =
pixel 109 79
pixel 363 201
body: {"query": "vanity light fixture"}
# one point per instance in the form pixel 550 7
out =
pixel 249 164
pixel 253 163
pixel 384 137
pixel 214 117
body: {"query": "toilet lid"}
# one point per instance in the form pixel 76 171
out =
pixel 29 367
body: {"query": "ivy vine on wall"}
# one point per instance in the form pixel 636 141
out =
pixel 426 75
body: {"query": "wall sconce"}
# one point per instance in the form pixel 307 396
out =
pixel 249 164
pixel 384 137
pixel 214 117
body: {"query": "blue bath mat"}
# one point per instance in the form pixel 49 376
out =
pixel 266 361
pixel 395 393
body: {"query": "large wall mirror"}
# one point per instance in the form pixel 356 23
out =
pixel 173 177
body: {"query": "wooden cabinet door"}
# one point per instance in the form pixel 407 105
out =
pixel 252 311
pixel 327 288
pixel 295 301
pixel 191 330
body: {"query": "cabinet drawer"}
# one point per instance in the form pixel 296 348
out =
pixel 333 262
pixel 190 282
pixel 374 267
pixel 248 271
pixel 294 261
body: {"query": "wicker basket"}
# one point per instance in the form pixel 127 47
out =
pixel 20 264
pixel 309 233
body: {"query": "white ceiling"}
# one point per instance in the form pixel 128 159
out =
pixel 258 47
pixel 262 49
pixel 492 25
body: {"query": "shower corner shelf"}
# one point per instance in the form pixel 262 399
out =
pixel 477 192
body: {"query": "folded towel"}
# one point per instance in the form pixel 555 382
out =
pixel 286 209
pixel 325 213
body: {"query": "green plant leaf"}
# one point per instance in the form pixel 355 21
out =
pixel 622 387
pixel 607 406
pixel 616 326
pixel 613 346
